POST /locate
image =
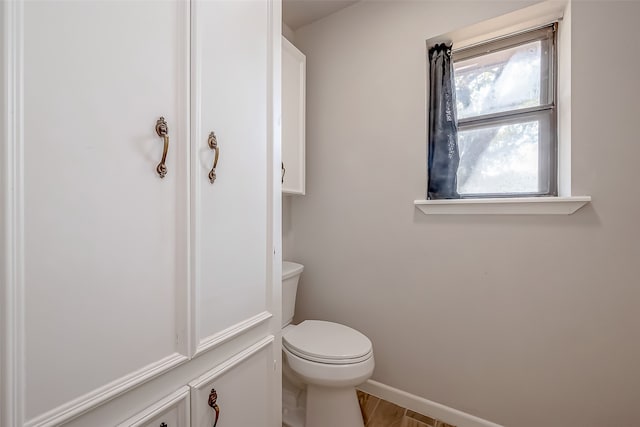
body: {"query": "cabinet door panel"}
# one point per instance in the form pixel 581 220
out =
pixel 293 118
pixel 103 245
pixel 230 98
pixel 243 385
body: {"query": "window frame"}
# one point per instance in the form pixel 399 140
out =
pixel 546 112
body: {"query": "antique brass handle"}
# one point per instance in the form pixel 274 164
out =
pixel 213 144
pixel 163 132
pixel 213 398
pixel 283 172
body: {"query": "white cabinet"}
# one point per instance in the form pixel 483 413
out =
pixel 117 275
pixel 293 118
pixel 239 385
pixel 230 100
pixel 103 252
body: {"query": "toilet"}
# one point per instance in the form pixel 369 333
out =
pixel 323 360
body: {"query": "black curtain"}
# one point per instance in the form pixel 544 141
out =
pixel 443 157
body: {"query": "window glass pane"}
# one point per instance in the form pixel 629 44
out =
pixel 504 80
pixel 499 159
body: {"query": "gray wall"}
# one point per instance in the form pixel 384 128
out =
pixel 521 320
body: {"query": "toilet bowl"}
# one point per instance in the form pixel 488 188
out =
pixel 327 359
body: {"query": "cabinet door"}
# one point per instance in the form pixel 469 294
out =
pixel 231 71
pixel 241 385
pixel 293 118
pixel 104 252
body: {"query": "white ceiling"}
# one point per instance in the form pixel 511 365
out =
pixel 296 13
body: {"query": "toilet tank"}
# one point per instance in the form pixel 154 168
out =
pixel 290 276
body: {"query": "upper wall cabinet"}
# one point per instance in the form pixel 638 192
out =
pixel 294 65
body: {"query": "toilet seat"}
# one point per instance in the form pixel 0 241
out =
pixel 327 342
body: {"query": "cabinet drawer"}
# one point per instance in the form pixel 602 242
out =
pixel 243 385
pixel 172 411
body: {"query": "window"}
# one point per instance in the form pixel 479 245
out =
pixel 506 107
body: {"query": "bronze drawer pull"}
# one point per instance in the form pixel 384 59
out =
pixel 283 172
pixel 213 144
pixel 163 132
pixel 213 398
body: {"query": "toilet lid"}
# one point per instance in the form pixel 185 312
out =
pixel 327 342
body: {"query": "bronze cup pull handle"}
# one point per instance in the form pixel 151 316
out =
pixel 213 144
pixel 283 172
pixel 213 398
pixel 163 132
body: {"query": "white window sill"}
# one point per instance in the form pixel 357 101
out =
pixel 504 206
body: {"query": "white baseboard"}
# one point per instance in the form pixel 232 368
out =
pixel 424 406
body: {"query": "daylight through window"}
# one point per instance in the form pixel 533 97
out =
pixel 506 106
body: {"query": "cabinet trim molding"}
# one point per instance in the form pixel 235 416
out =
pixel 215 340
pixel 12 299
pixel 103 394
pixel 180 396
pixel 231 363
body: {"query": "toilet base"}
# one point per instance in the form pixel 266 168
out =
pixel 293 404
pixel 329 406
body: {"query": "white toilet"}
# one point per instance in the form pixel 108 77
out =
pixel 327 359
